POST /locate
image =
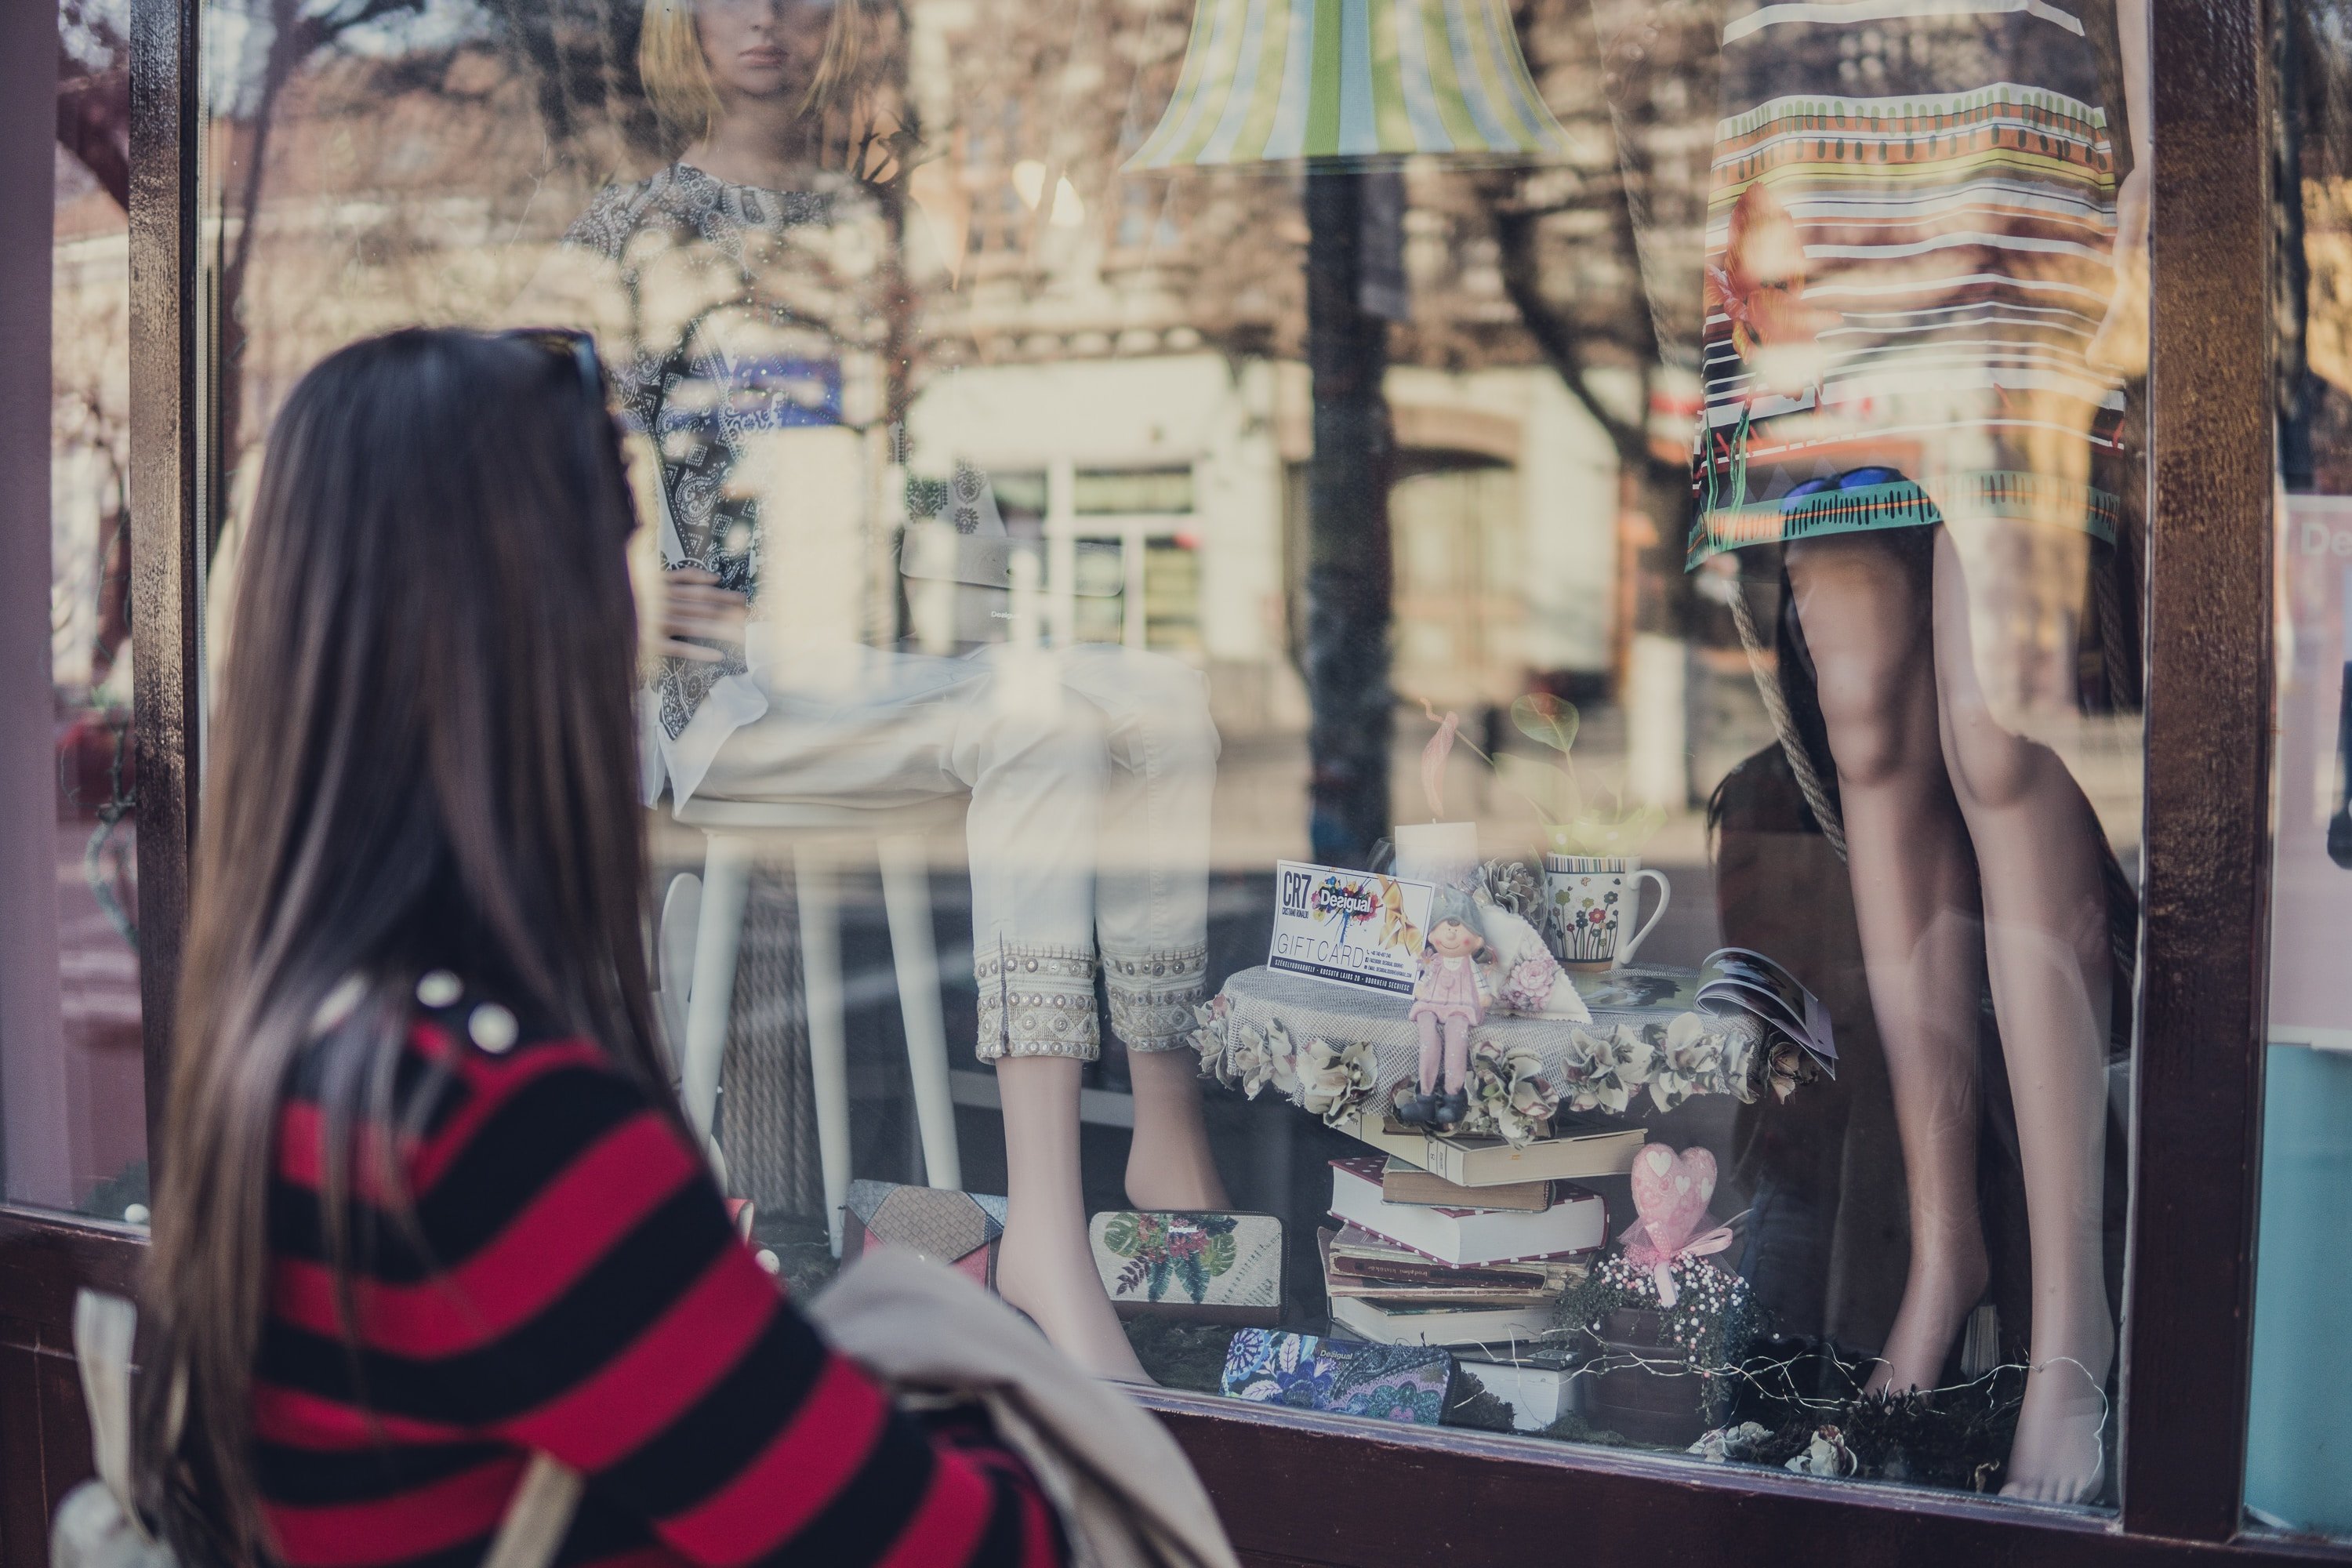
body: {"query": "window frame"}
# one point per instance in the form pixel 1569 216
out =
pixel 1296 1488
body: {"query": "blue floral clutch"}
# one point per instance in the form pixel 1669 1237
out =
pixel 1341 1377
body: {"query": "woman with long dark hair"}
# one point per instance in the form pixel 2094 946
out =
pixel 429 1206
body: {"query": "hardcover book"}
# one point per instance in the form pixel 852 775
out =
pixel 1402 1182
pixel 1571 1155
pixel 1576 1223
pixel 1358 1263
pixel 1441 1326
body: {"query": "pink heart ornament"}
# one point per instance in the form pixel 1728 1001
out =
pixel 1671 1193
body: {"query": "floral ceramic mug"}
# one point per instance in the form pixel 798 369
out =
pixel 1589 902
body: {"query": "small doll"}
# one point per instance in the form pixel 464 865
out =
pixel 1449 999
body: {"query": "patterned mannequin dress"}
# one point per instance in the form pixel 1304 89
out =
pixel 1910 229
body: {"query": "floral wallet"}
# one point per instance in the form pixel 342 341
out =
pixel 1209 1267
pixel 1390 1382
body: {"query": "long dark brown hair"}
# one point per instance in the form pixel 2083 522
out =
pixel 422 754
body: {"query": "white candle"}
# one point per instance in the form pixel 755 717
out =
pixel 1436 851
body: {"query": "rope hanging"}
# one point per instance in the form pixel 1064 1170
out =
pixel 1784 723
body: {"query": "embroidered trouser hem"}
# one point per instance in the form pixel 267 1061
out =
pixel 1036 1001
pixel 1152 995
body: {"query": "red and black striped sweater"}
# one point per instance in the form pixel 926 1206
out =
pixel 578 1290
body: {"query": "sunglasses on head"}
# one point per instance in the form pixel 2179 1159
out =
pixel 574 345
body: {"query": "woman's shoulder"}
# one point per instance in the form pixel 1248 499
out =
pixel 506 1141
pixel 676 198
pixel 471 1057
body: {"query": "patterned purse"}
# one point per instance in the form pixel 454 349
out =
pixel 1342 1377
pixel 1197 1264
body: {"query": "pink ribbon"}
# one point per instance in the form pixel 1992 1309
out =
pixel 1646 1248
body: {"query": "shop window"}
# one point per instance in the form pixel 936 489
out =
pixel 1625 543
pixel 1131 490
pixel 71 1065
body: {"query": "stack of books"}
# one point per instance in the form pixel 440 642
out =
pixel 1421 1260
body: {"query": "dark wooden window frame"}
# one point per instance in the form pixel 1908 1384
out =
pixel 1307 1490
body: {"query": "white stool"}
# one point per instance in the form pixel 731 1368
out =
pixel 816 833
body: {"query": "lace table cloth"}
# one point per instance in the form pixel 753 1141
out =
pixel 1336 1050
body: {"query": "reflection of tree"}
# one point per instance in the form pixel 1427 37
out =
pixel 1602 259
pixel 90 419
pixel 297 30
pixel 2311 287
pixel 89 438
pixel 94 97
pixel 89 414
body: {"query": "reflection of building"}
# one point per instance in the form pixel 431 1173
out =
pixel 1122 355
pixel 1182 463
pixel 1083 336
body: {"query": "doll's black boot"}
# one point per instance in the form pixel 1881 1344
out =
pixel 1421 1110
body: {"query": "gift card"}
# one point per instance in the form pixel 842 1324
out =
pixel 1350 927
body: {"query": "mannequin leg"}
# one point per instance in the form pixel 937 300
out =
pixel 1037 774
pixel 1168 1163
pixel 1152 904
pixel 1045 1268
pixel 2047 956
pixel 1864 612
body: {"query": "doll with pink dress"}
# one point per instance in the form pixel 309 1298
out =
pixel 1449 999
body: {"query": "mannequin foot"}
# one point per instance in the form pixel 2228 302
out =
pixel 1451 1106
pixel 1937 1301
pixel 2059 1454
pixel 1173 1185
pixel 1168 1166
pixel 1053 1280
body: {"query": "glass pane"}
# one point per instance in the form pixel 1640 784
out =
pixel 1324 612
pixel 2299 1442
pixel 72 1090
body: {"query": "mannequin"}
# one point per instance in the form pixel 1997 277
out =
pixel 1912 242
pixel 1089 769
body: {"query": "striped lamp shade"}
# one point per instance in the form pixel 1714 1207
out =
pixel 1269 79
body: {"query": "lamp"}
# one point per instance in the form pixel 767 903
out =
pixel 1270 79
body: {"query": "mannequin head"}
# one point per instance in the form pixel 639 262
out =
pixel 704 60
